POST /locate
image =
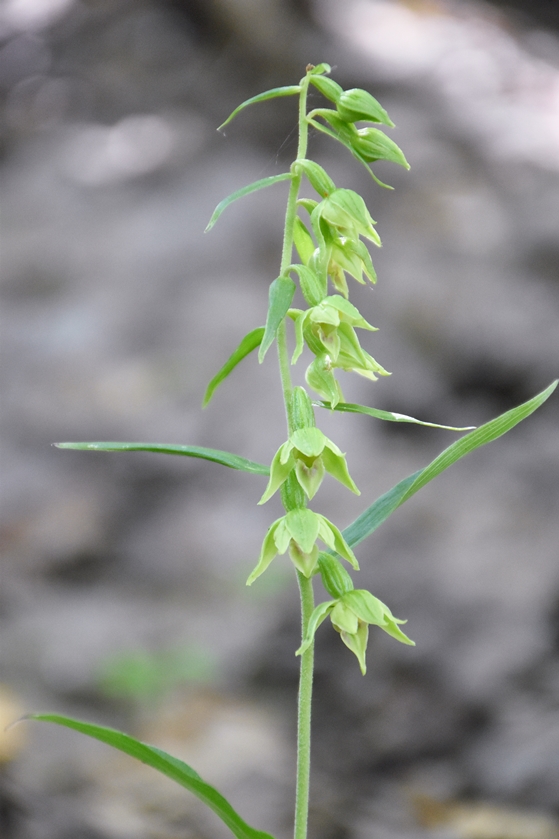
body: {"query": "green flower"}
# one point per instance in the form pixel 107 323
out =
pixel 310 453
pixel 298 531
pixel 328 329
pixel 351 614
pixel 347 213
pixel 346 255
pixel 319 326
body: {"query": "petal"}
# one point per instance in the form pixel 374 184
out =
pixel 343 619
pixel 309 441
pixel 279 470
pixel 267 553
pixel 357 643
pixel 336 465
pixel 310 477
pixel 303 526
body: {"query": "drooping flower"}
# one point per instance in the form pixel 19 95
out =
pixel 298 531
pixel 310 453
pixel 351 615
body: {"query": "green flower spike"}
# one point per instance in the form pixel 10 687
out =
pixel 298 530
pixel 310 453
pixel 351 614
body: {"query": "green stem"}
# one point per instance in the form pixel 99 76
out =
pixel 305 584
pixel 304 714
pixel 287 249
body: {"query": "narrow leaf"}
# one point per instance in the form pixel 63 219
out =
pixel 373 516
pixel 282 291
pixel 349 407
pixel 247 345
pixel 234 461
pixel 482 435
pixel 167 765
pixel 245 190
pixel 319 614
pixel 290 90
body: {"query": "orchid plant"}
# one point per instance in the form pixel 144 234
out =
pixel 324 244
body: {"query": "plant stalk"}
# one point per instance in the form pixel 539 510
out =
pixel 304 714
pixel 287 249
pixel 305 584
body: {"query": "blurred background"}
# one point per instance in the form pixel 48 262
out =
pixel 123 598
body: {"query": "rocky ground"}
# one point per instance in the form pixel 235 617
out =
pixel 123 596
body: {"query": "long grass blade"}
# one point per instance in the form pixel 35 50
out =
pixel 233 461
pixel 351 408
pixel 167 765
pixel 289 90
pixel 245 190
pixel 383 507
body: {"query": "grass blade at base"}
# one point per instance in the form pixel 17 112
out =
pixel 168 765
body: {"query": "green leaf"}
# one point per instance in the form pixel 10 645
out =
pixel 351 408
pixel 319 614
pixel 282 291
pixel 233 461
pixel 290 90
pixel 167 765
pixel 247 345
pixel 373 516
pixel 245 190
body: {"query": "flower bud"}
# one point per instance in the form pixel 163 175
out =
pixel 318 178
pixel 355 105
pixel 302 412
pixel 335 578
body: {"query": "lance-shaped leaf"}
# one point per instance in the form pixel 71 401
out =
pixel 280 297
pixel 247 345
pixel 245 190
pixel 390 416
pixel 319 615
pixel 233 461
pixel 167 765
pixel 289 90
pixel 384 506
